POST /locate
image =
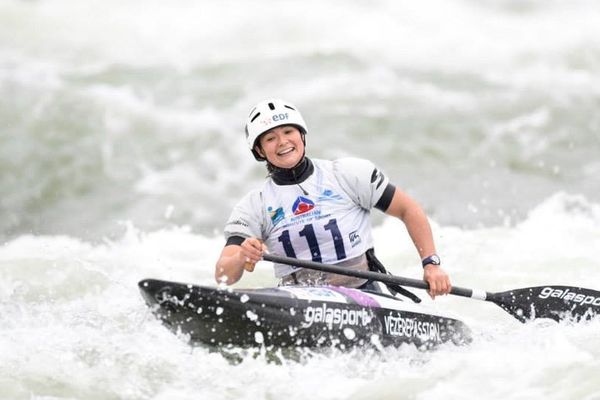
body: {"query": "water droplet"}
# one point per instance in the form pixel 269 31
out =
pixel 376 342
pixel 349 333
pixel 251 315
pixel 219 310
pixel 258 337
pixel 244 298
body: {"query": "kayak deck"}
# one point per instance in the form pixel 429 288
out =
pixel 296 316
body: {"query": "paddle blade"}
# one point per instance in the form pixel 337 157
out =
pixel 554 302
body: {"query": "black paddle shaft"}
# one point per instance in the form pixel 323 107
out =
pixel 374 276
pixel 552 301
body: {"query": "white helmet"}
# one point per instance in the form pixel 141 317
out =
pixel 269 114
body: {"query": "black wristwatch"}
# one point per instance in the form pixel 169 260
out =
pixel 432 259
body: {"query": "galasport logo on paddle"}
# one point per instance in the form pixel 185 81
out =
pixel 302 205
pixel 568 295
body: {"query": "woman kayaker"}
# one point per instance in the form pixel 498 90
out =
pixel 315 209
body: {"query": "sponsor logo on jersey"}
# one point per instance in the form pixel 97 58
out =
pixel 302 205
pixel 276 215
pixel 238 222
pixel 315 293
pixel 569 296
pixel 315 214
pixel 355 239
pixel 396 325
pixel 377 176
pixel 335 317
pixel 329 195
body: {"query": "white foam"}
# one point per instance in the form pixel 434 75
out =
pixel 72 314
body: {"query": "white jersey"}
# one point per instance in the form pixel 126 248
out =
pixel 329 224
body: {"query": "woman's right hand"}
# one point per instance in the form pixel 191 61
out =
pixel 234 259
pixel 252 250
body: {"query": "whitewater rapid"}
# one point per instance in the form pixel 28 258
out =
pixel 75 326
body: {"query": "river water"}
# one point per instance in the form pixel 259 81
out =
pixel 122 153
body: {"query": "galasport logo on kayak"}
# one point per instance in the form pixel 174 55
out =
pixel 338 317
pixel 396 325
pixel 568 295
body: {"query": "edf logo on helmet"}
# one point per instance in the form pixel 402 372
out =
pixel 275 118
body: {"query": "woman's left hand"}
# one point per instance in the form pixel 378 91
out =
pixel 438 280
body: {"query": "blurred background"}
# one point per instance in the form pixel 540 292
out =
pixel 133 110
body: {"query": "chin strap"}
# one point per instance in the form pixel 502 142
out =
pixel 376 265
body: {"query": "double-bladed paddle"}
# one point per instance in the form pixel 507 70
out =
pixel 551 301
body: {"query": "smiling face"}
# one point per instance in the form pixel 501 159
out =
pixel 282 146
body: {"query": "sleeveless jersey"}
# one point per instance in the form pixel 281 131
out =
pixel 329 224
